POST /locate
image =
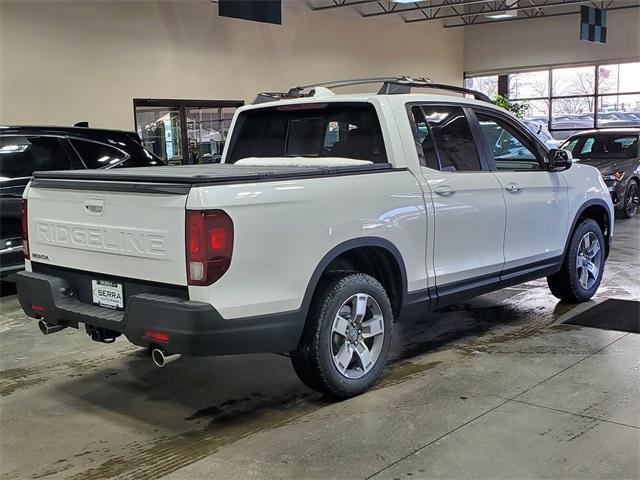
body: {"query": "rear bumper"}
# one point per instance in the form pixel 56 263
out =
pixel 194 328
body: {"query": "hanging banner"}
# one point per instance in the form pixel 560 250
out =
pixel 593 24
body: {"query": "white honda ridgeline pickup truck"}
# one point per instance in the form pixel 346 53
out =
pixel 330 217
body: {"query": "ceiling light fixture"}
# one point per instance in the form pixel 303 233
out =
pixel 504 9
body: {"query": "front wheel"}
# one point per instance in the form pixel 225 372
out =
pixel 631 200
pixel 347 337
pixel 581 272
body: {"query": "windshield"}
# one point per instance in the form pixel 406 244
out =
pixel 603 146
pixel 346 130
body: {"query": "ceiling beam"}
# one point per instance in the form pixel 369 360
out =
pixel 510 9
pixel 515 19
pixel 343 3
pixel 444 4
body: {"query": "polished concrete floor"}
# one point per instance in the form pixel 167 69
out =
pixel 496 388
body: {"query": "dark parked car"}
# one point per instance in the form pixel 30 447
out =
pixel 24 150
pixel 615 153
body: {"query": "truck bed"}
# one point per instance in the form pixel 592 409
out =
pixel 188 175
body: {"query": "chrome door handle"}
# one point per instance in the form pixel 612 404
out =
pixel 445 191
pixel 512 187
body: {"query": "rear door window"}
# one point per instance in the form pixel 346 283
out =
pixel 445 138
pixel 97 155
pixel 20 156
pixel 347 130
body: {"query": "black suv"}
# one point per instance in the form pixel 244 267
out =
pixel 24 150
pixel 616 154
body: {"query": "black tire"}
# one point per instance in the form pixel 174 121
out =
pixel 630 202
pixel 566 284
pixel 313 361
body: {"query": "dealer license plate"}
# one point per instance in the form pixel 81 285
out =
pixel 107 294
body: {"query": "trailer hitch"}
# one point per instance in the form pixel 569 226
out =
pixel 102 335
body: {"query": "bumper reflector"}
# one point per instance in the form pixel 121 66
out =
pixel 159 336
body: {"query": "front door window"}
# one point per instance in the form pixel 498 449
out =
pixel 509 148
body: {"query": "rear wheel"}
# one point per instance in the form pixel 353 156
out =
pixel 581 273
pixel 347 336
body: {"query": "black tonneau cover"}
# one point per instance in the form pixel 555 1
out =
pixel 179 179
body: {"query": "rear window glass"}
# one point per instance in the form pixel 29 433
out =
pixel 97 155
pixel 604 146
pixel 143 159
pixel 20 156
pixel 346 130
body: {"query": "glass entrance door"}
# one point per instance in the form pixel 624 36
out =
pixel 160 129
pixel 184 131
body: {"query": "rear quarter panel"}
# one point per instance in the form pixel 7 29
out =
pixel 282 230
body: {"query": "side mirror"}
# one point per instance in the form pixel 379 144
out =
pixel 559 159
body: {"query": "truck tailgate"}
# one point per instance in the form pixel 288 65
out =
pixel 129 234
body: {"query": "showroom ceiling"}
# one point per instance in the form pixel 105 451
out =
pixel 460 13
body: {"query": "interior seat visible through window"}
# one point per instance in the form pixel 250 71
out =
pixel 445 138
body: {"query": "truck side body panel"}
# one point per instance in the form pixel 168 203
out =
pixel 284 229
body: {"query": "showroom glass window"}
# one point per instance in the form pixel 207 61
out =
pixel 445 139
pixel 568 99
pixel 534 87
pixel 20 156
pixel 487 85
pixel 340 129
pixel 509 148
pixel 97 155
pixel 207 129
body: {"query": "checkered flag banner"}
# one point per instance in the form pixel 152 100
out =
pixel 593 24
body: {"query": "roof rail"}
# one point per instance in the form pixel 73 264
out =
pixel 390 86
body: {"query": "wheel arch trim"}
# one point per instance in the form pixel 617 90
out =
pixel 344 247
pixel 588 204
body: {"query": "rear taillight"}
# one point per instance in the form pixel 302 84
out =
pixel 25 229
pixel 209 245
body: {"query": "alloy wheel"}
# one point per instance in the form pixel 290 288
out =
pixel 357 336
pixel 589 260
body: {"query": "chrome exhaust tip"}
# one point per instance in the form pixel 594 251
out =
pixel 162 358
pixel 47 328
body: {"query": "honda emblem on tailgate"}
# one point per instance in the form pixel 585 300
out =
pixel 94 206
